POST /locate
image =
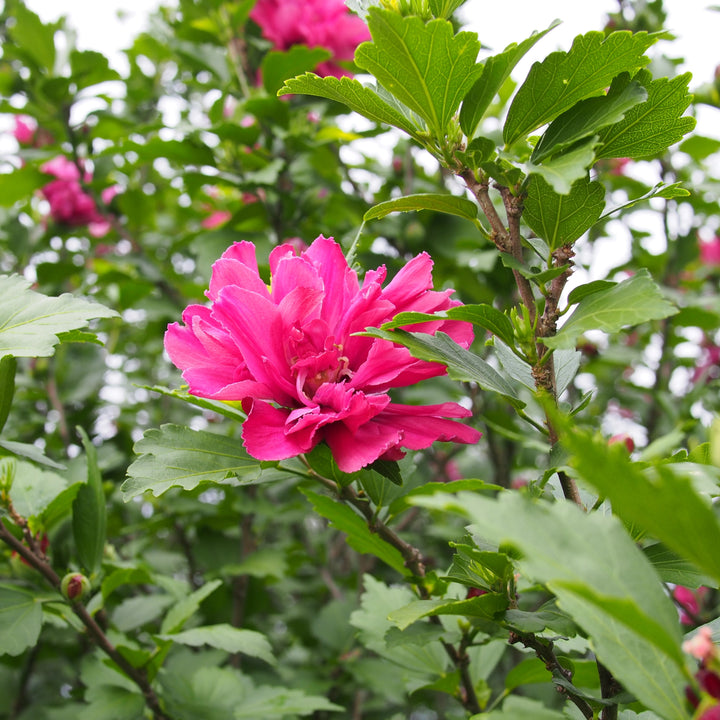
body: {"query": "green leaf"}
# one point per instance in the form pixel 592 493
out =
pixel 279 702
pixel 450 204
pixel 279 66
pixel 658 500
pixel 109 701
pixel 564 78
pixel 33 38
pixel 20 184
pixel 582 291
pixel 90 68
pixel 589 116
pixel 29 451
pixel 563 170
pixel 651 127
pixel 189 151
pixel 176 456
pixel 8 365
pixel 359 536
pixel 182 611
pixel 521 708
pixel 445 8
pixel 350 92
pixel 217 406
pixel 228 638
pixel 484 316
pixel 30 322
pixel 631 302
pixel 34 489
pixel 562 219
pixel 462 364
pixel 675 569
pixel 20 620
pixel 89 512
pixel 496 70
pixel 425 66
pixel 484 606
pixel 699 147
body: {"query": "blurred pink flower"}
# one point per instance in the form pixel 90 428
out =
pixel 708 363
pixel 69 204
pixel 689 602
pixel 25 128
pixel 710 251
pixel 323 23
pixel 216 219
pixel 289 352
pixel 701 645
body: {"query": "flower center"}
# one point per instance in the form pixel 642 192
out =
pixel 312 367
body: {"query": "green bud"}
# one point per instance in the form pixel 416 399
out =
pixel 74 585
pixel 7 474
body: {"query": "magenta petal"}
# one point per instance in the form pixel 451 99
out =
pixel 265 437
pixel 354 450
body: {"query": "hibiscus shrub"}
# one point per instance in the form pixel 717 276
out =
pixel 348 371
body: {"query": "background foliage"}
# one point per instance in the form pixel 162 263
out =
pixel 462 581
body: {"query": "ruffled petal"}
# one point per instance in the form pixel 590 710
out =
pixel 265 437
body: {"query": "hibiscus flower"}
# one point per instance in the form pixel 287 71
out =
pixel 290 353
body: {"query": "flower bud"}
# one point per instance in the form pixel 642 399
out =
pixel 624 439
pixel 74 586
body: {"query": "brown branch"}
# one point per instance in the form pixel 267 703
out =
pixel 609 687
pixel 38 561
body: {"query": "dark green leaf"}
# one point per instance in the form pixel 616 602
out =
pixel 562 219
pixel 450 204
pixel 182 611
pixel 674 569
pixel 651 127
pixel 582 291
pixel 426 66
pixel 20 620
pixel 350 92
pixel 228 638
pixel 631 302
pixel 495 71
pixel 33 37
pixel 8 365
pixel 485 606
pixel 89 513
pixel 564 78
pixel 278 66
pixel 521 708
pixel 358 533
pixel 90 68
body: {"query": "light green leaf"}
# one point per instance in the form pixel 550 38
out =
pixel 20 620
pixel 563 170
pixel 217 406
pixel 34 489
pixel 660 190
pixel 90 68
pixel 358 533
pixel 521 708
pixel 462 364
pixel 182 611
pixel 34 37
pixel 651 127
pixel 631 302
pixel 279 702
pixel 484 316
pixel 582 291
pixel 562 219
pixel 279 66
pixel 30 322
pixel 675 569
pixel 450 204
pixel 485 606
pixel 228 638
pixel 661 502
pixel 176 456
pixel 112 703
pixel 589 116
pixel 564 78
pixel 20 184
pixel 89 512
pixel 363 100
pixel 496 70
pixel 445 8
pixel 29 451
pixel 426 66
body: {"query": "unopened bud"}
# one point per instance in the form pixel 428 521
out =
pixel 74 586
pixel 623 438
pixel 7 474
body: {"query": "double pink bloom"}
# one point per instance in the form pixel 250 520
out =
pixel 289 352
pixel 324 23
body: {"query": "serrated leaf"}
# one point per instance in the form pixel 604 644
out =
pixel 89 513
pixel 30 322
pixel 563 170
pixel 279 66
pixel 427 67
pixel 582 291
pixel 182 611
pixel 462 364
pixel 34 489
pixel 589 116
pixel 363 100
pixel 631 302
pixel 496 70
pixel 176 456
pixel 485 606
pixel 450 204
pixel 562 219
pixel 484 316
pixel 20 620
pixel 564 78
pixel 228 638
pixel 359 536
pixel 651 127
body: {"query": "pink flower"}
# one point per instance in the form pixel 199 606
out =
pixel 701 645
pixel 323 23
pixel 624 439
pixel 25 128
pixel 712 713
pixel 216 219
pixel 689 602
pixel 289 352
pixel 710 251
